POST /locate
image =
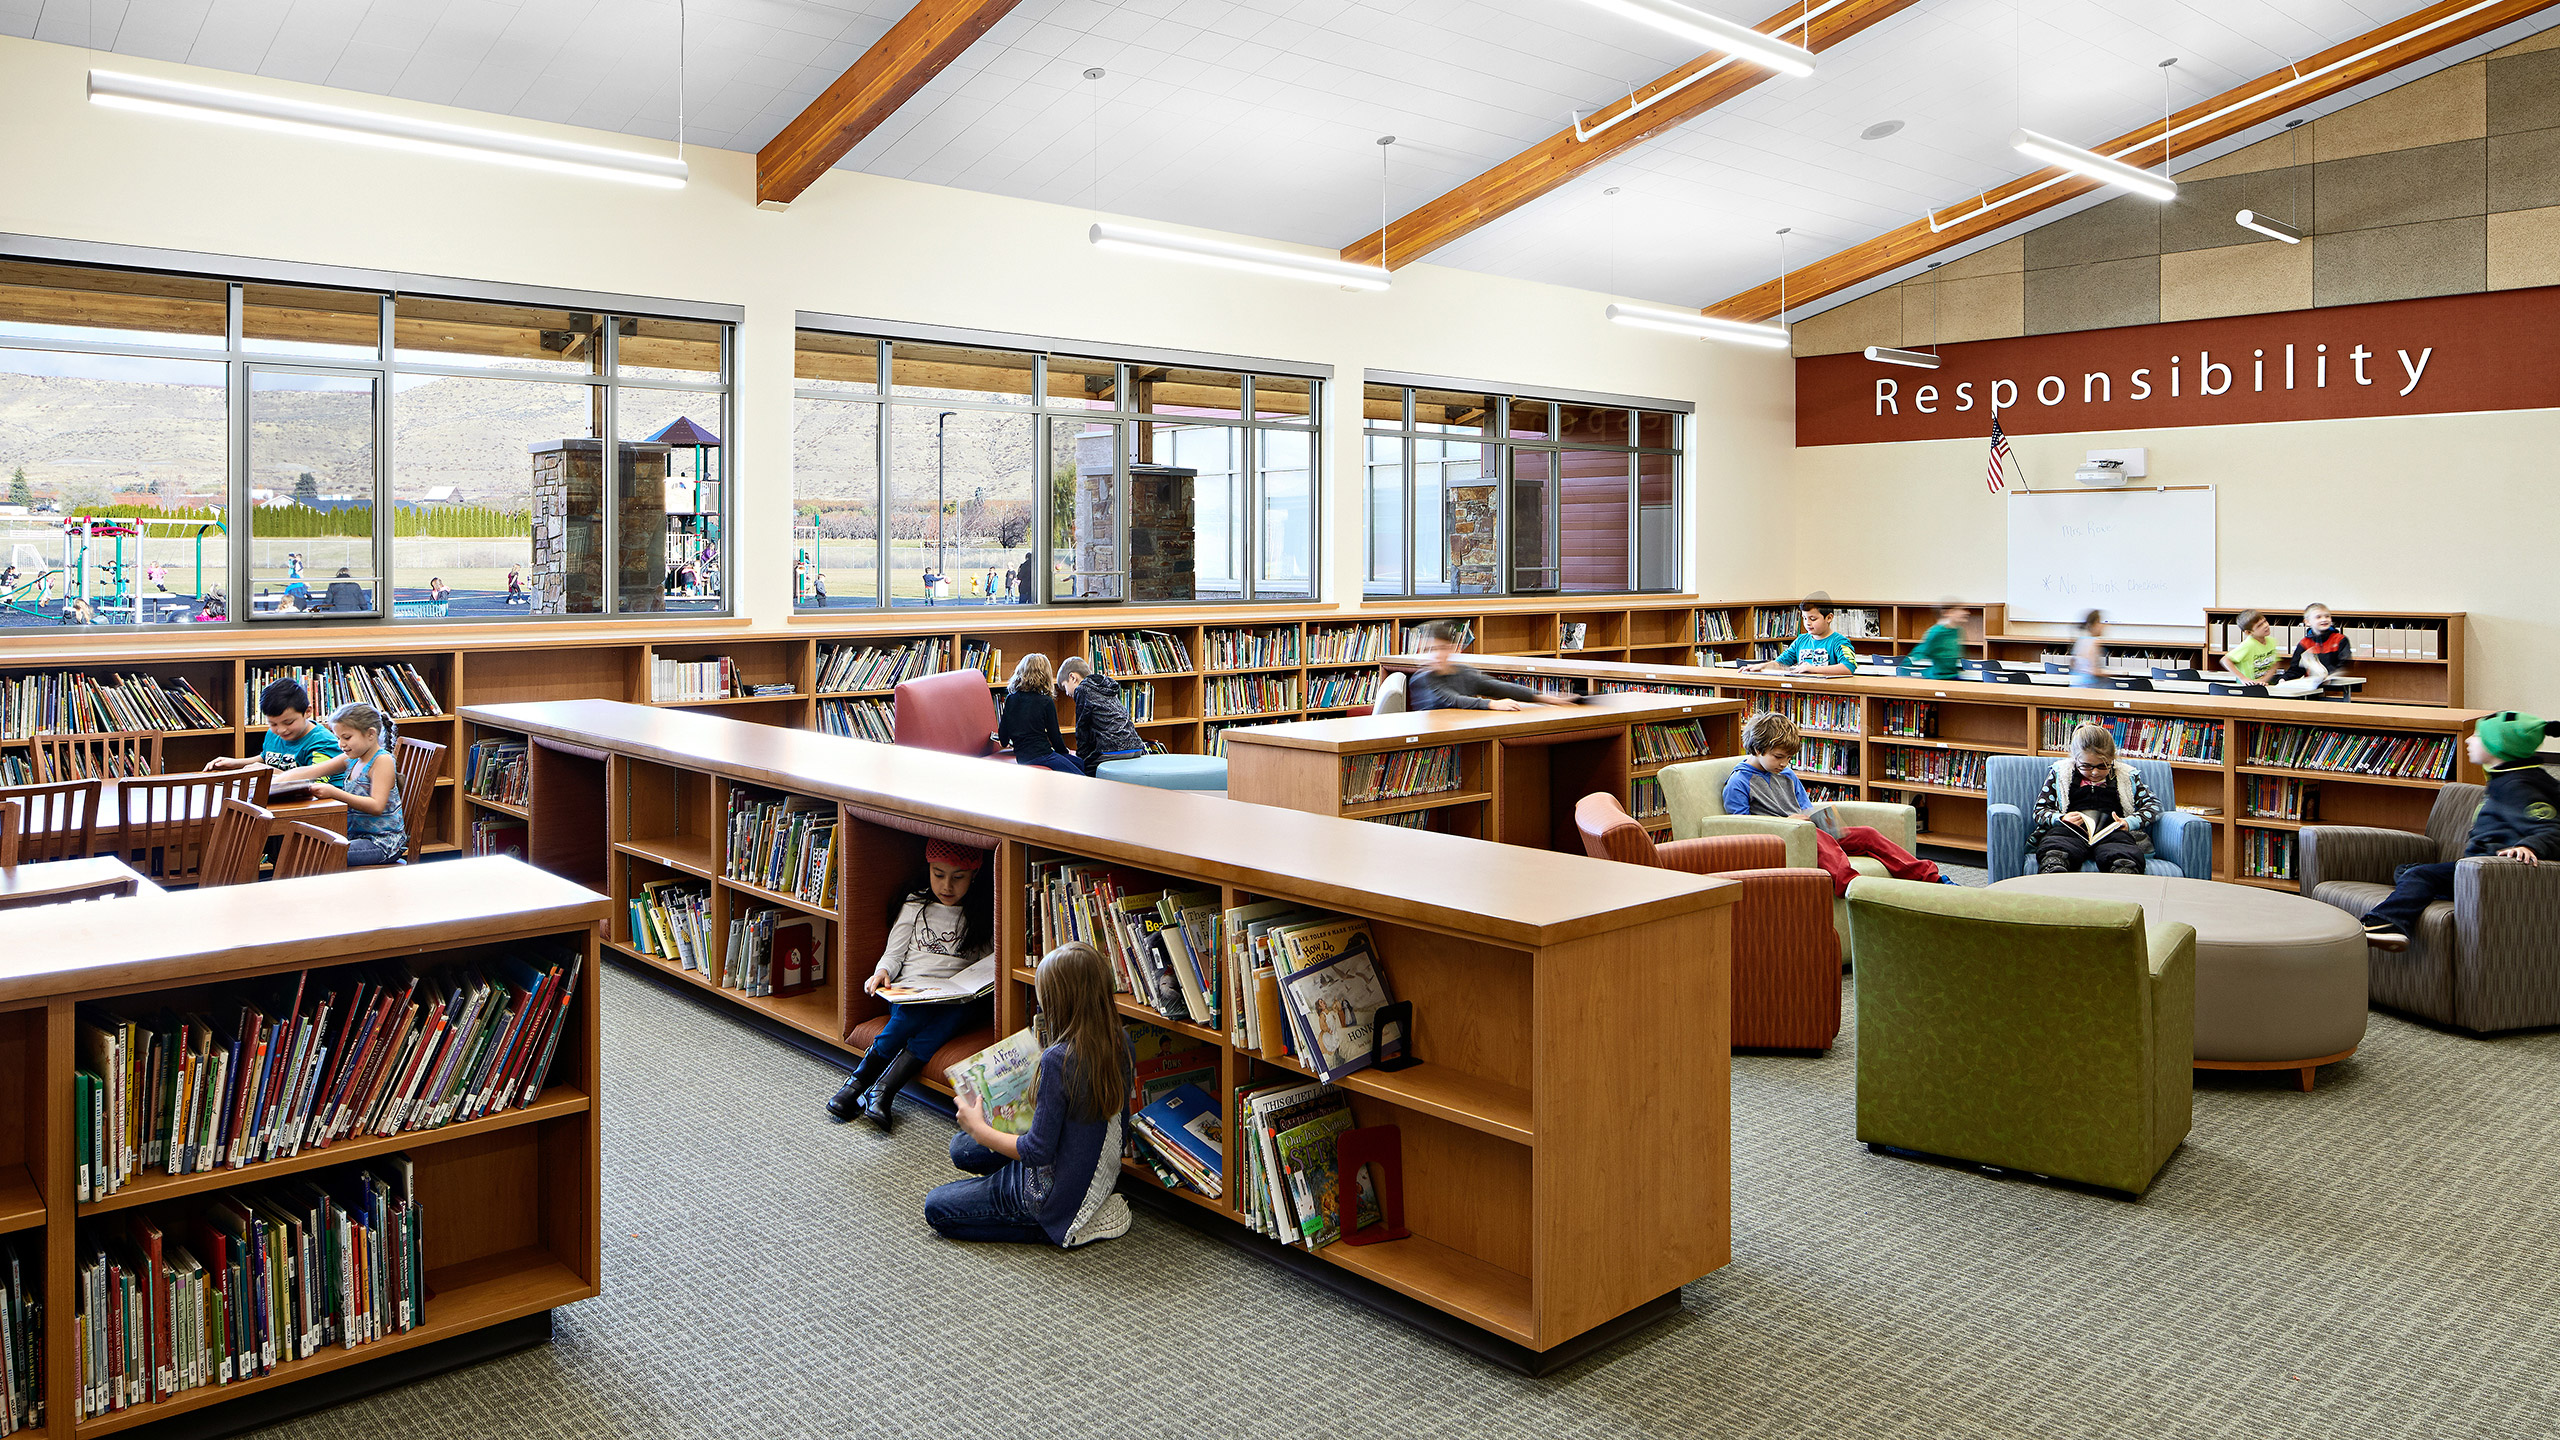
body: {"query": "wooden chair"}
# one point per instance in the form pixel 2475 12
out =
pixel 166 821
pixel 415 768
pixel 238 845
pixel 12 815
pixel 57 821
pixel 96 757
pixel 308 849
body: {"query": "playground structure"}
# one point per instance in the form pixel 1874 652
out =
pixel 103 570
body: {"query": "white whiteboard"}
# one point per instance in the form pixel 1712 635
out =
pixel 2143 556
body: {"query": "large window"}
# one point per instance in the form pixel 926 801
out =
pixel 206 450
pixel 937 473
pixel 1473 492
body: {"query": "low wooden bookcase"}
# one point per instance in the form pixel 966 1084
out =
pixel 1555 996
pixel 510 1200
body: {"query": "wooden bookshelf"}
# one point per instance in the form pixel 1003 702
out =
pixel 1517 776
pixel 2211 767
pixel 1566 991
pixel 2406 657
pixel 511 1201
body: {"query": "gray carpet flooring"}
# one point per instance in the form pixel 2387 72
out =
pixel 2377 1258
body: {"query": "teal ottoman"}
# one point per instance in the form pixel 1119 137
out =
pixel 1168 772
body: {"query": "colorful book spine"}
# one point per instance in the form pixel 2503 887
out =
pixel 1240 649
pixel 1946 769
pixel 1139 652
pixel 1912 719
pixel 1401 775
pixel 1664 741
pixel 847 668
pixel 2351 752
pixel 1248 695
pixel 873 720
pixel 1714 627
pixel 1645 799
pixel 1837 714
pixel 2266 854
pixel 2149 736
pixel 1341 689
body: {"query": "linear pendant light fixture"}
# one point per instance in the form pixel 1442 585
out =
pixel 1887 355
pixel 1713 32
pixel 367 127
pixel 1226 254
pixel 1691 323
pixel 2094 165
pixel 2268 225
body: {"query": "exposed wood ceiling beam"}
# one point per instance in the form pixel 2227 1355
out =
pixel 888 75
pixel 1560 157
pixel 2401 42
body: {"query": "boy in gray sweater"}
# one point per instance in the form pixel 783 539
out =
pixel 1104 730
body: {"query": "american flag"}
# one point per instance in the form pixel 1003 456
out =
pixel 1994 476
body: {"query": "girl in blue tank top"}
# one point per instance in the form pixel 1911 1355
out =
pixel 376 830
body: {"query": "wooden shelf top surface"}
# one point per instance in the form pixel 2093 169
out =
pixel 1357 733
pixel 2326 714
pixel 186 936
pixel 1508 893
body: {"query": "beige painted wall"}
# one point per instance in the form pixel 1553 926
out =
pixel 2438 512
pixel 854 245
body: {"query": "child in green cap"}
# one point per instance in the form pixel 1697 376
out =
pixel 2519 820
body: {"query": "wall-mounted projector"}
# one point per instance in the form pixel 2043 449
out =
pixel 2109 469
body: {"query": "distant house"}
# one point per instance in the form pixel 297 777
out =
pixel 438 495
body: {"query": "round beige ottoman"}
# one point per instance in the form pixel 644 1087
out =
pixel 2280 979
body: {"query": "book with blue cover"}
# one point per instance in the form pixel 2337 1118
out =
pixel 1184 1125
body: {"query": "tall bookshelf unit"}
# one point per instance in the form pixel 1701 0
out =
pixel 1550 992
pixel 510 1201
pixel 1921 743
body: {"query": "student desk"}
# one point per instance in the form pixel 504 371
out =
pixel 1513 775
pixel 2259 768
pixel 1554 996
pixel 50 882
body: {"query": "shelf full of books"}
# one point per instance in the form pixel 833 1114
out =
pixel 1402 774
pixel 2149 736
pixel 268 1175
pixel 1122 653
pixel 1242 975
pixel 70 702
pixel 848 669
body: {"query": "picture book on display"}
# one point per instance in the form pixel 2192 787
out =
pixel 1004 1079
pixel 1286 1152
pixel 1334 1003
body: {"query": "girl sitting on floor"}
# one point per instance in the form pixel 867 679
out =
pixel 942 935
pixel 1052 1184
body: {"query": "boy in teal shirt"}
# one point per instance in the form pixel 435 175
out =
pixel 296 747
pixel 1940 653
pixel 1817 651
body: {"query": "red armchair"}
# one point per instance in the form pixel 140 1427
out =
pixel 1786 956
pixel 952 712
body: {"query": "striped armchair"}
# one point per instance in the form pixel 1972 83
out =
pixel 2486 960
pixel 1786 958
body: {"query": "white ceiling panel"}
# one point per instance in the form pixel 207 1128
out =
pixel 1260 116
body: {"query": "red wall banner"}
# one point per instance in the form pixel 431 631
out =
pixel 2499 350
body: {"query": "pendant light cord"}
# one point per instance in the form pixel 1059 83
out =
pixel 680 58
pixel 1385 143
pixel 1782 275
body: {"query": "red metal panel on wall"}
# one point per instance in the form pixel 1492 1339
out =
pixel 2498 350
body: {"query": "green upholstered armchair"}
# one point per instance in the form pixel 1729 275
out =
pixel 2029 1032
pixel 1694 795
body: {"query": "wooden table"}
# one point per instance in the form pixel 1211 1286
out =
pixel 327 814
pixel 1519 772
pixel 51 882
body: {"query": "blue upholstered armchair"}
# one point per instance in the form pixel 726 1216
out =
pixel 2180 845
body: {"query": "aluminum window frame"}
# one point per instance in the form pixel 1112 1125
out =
pixel 1497 435
pixel 1048 413
pixel 236 273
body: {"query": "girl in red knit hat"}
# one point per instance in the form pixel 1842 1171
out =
pixel 941 952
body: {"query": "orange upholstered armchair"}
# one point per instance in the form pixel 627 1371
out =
pixel 1786 956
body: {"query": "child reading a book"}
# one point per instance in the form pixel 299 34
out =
pixel 1817 651
pixel 1028 724
pixel 294 745
pixel 2093 807
pixel 376 830
pixel 2519 821
pixel 938 974
pixel 1103 729
pixel 1765 783
pixel 1053 1183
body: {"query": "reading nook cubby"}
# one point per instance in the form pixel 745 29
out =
pixel 1550 991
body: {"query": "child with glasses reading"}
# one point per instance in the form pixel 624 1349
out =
pixel 2093 807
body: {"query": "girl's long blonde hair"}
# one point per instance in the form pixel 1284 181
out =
pixel 1073 984
pixel 1032 673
